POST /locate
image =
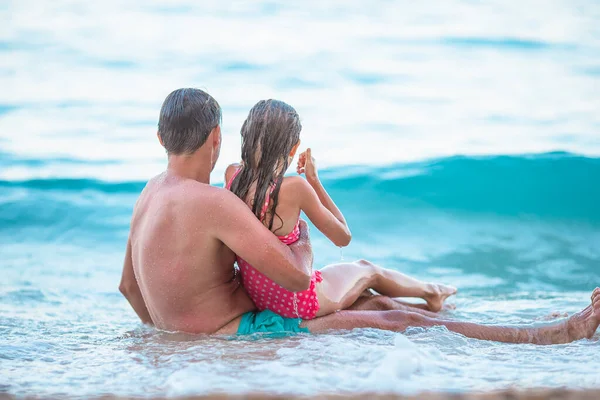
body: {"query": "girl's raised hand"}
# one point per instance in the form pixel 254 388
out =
pixel 307 165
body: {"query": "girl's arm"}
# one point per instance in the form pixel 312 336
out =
pixel 318 206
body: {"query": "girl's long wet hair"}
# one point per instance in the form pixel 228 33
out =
pixel 269 134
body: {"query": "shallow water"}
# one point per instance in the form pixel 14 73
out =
pixel 389 93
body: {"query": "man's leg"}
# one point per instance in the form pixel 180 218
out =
pixel 579 326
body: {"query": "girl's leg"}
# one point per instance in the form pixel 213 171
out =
pixel 344 283
pixel 384 303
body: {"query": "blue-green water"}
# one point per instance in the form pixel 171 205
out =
pixel 518 235
pixel 461 140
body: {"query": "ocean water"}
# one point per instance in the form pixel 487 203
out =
pixel 461 140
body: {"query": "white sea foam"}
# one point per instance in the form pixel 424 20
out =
pixel 375 83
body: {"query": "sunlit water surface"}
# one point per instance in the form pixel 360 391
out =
pixel 390 93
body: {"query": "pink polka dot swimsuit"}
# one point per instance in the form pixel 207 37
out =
pixel 268 295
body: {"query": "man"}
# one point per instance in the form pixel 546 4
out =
pixel 178 272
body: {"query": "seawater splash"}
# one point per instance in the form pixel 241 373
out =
pixel 401 362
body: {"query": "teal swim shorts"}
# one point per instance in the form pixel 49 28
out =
pixel 269 322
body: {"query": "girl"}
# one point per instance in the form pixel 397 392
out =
pixel 270 140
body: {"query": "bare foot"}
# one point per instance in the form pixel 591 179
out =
pixel 438 293
pixel 584 324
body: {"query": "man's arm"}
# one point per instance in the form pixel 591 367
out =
pixel 245 235
pixel 130 289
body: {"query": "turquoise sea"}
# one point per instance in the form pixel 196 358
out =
pixel 461 140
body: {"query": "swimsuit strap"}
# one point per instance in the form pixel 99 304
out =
pixel 228 185
pixel 293 236
pixel 263 212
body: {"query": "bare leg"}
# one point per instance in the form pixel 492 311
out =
pixel 384 303
pixel 344 283
pixel 372 301
pixel 579 326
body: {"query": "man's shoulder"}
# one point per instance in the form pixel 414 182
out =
pixel 193 193
pixel 181 191
pixel 191 189
pixel 199 199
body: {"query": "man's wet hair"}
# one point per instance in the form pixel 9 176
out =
pixel 187 117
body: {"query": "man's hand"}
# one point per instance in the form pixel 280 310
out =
pixel 307 165
pixel 304 231
pixel 289 267
pixel 302 248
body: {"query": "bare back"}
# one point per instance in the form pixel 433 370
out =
pixel 185 274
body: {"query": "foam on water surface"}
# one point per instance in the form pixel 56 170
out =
pixel 66 329
pixel 389 94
